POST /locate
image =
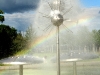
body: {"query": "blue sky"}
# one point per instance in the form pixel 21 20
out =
pixel 91 3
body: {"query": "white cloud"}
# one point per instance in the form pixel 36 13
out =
pixel 94 17
pixel 22 20
pixel 19 21
pixel 90 17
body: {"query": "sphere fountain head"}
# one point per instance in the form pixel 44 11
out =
pixel 56 17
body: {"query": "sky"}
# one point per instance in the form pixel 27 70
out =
pixel 21 13
pixel 91 3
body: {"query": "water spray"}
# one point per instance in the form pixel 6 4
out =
pixel 57 16
pixel 57 20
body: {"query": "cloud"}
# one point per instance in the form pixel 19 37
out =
pixel 20 21
pixel 13 6
pixel 92 17
pixel 19 13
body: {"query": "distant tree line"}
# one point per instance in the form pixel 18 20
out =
pixel 12 41
pixel 82 39
pixel 1 16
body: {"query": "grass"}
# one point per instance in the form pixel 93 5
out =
pixel 39 72
pixel 46 69
pixel 29 72
pixel 85 67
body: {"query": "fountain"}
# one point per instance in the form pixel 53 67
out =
pixel 74 56
pixel 21 60
pixel 57 19
pixel 57 16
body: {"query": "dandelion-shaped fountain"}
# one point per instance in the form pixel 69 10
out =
pixel 57 20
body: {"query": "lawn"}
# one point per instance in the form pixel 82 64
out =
pixel 83 68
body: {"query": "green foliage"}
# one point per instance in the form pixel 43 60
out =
pixel 30 35
pixel 12 42
pixel 1 12
pixel 88 38
pixel 82 39
pixel 96 36
pixel 7 36
pixel 1 16
pixel 19 42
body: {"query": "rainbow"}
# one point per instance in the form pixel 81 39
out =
pixel 42 39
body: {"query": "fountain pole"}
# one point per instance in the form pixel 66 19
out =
pixel 58 52
pixel 74 68
pixel 20 69
pixel 57 20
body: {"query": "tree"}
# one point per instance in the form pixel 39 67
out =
pixel 7 36
pixel 84 38
pixel 96 38
pixel 19 42
pixel 30 35
pixel 1 16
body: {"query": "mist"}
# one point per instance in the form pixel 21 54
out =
pixel 73 35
